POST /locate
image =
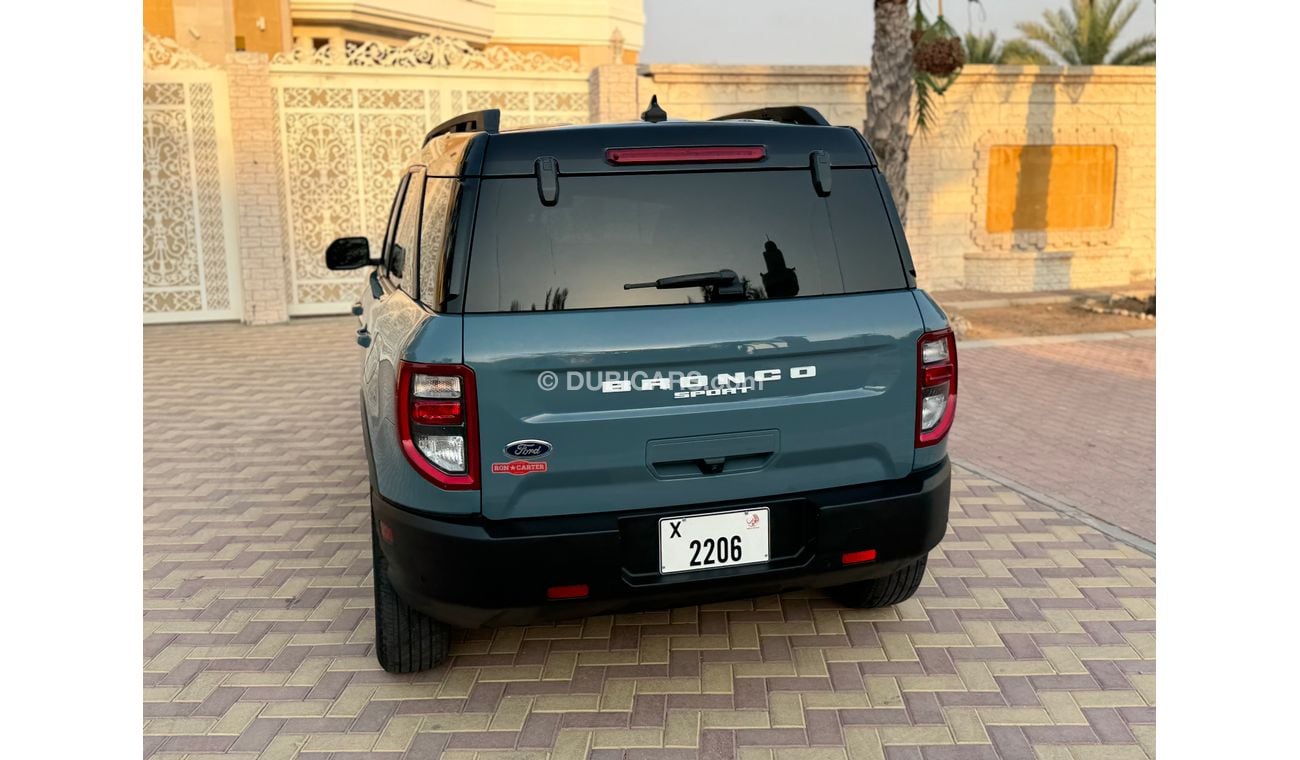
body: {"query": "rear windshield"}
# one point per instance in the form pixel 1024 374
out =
pixel 771 228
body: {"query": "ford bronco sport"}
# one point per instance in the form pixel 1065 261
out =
pixel 642 365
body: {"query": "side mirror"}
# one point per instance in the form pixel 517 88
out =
pixel 348 253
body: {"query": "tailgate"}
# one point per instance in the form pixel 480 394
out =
pixel 640 408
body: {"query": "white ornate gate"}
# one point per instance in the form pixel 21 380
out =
pixel 190 264
pixel 349 124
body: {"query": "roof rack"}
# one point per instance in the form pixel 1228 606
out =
pixel 479 121
pixel 781 114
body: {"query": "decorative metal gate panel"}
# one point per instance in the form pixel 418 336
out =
pixel 349 126
pixel 190 260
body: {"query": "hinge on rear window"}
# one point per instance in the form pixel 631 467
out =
pixel 821 171
pixel 548 179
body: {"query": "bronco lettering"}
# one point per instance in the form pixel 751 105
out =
pixel 694 384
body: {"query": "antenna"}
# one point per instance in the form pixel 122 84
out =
pixel 654 114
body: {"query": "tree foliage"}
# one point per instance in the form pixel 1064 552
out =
pixel 1086 32
pixel 982 48
pixel 985 48
pixel 930 85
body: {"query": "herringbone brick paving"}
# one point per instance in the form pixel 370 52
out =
pixel 1073 420
pixel 1032 636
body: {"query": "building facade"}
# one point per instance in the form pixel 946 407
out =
pixel 579 30
pixel 273 126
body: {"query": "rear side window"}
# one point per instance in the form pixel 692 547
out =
pixel 770 227
pixel 402 254
pixel 391 230
pixel 439 193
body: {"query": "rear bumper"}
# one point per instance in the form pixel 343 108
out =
pixel 475 572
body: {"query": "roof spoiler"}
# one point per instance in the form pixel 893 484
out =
pixel 782 115
pixel 478 121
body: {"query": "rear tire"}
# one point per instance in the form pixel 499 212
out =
pixel 882 592
pixel 406 640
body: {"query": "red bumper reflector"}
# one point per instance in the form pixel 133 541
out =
pixel 567 592
pixel 855 558
pixel 385 532
pixel 436 412
pixel 711 154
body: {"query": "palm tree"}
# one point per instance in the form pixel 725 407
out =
pixel 1084 35
pixel 889 97
pixel 982 48
pixel 911 57
pixel 985 48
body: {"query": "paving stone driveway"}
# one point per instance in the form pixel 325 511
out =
pixel 1076 421
pixel 1032 636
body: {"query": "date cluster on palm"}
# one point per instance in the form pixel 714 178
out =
pixel 937 55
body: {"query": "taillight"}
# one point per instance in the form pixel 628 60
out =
pixel 936 386
pixel 436 412
pixel 696 154
pixel 437 421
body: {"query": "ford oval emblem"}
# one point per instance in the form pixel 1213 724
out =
pixel 528 449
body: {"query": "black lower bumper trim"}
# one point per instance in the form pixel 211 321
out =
pixel 475 572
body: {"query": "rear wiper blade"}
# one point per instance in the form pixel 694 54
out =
pixel 726 280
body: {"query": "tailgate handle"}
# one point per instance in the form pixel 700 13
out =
pixel 705 455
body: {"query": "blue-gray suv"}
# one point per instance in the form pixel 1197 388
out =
pixel 642 365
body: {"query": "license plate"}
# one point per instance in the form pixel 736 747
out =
pixel 724 539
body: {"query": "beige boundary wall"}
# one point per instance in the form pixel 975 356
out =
pixel 252 167
pixel 703 92
pixel 948 178
pixel 346 132
pixel 949 167
pixel 190 265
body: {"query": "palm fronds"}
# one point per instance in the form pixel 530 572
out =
pixel 982 48
pixel 985 48
pixel 1021 53
pixel 1084 34
pixel 1139 52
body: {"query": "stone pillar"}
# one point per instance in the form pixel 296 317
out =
pixel 257 190
pixel 611 93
